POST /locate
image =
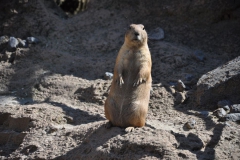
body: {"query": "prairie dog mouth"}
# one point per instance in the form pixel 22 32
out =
pixel 137 38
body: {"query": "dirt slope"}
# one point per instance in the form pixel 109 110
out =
pixel 52 92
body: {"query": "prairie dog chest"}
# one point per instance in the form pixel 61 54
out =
pixel 132 59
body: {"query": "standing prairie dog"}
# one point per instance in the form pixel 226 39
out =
pixel 127 102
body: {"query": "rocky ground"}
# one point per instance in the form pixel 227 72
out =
pixel 53 84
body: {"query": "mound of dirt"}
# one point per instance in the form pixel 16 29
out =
pixel 52 92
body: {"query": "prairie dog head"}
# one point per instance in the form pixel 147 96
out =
pixel 136 36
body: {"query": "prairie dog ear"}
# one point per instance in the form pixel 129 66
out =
pixel 142 26
pixel 131 26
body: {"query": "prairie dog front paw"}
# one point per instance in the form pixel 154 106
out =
pixel 120 81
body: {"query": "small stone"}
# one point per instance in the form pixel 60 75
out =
pixel 106 145
pixel 156 34
pixel 108 75
pixel 191 124
pixel 226 108
pixel 220 113
pixel 4 39
pixel 13 42
pixel 151 91
pixel 22 43
pixel 172 90
pixel 6 56
pixel 32 40
pixel 180 87
pixel 199 56
pixel 204 113
pixel 180 97
pixel 31 124
pixel 52 129
pixel 235 108
pixel 233 117
pixel 223 103
pixel 69 119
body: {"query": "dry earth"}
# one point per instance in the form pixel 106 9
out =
pixel 52 92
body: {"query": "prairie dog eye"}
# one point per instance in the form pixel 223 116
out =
pixel 143 28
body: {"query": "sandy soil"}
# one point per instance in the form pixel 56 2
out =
pixel 52 93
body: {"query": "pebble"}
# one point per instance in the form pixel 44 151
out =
pixel 32 40
pixel 226 108
pixel 180 86
pixel 13 42
pixel 44 132
pixel 180 97
pixel 191 124
pixel 108 76
pixel 233 117
pixel 172 90
pixel 220 113
pixel 235 108
pixel 4 39
pixel 22 43
pixel 69 119
pixel 151 91
pixel 156 34
pixel 204 113
pixel 199 56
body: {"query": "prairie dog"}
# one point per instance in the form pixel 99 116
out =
pixel 127 102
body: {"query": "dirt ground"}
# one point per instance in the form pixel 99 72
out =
pixel 52 93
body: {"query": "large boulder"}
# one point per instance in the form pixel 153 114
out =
pixel 220 83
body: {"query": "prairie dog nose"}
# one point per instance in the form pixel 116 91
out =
pixel 136 34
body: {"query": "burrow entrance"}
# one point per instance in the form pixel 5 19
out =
pixel 72 7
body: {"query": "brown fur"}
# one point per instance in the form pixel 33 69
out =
pixel 127 103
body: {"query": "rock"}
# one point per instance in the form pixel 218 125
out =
pixel 191 124
pixel 22 43
pixel 69 119
pixel 172 90
pixel 233 117
pixel 108 76
pixel 32 40
pixel 13 42
pixel 156 34
pixel 235 108
pixel 199 56
pixel 180 97
pixel 226 108
pixel 204 113
pixel 220 113
pixel 180 86
pixel 4 39
pixel 220 83
pixel 151 91
pixel 223 103
pixel 6 56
